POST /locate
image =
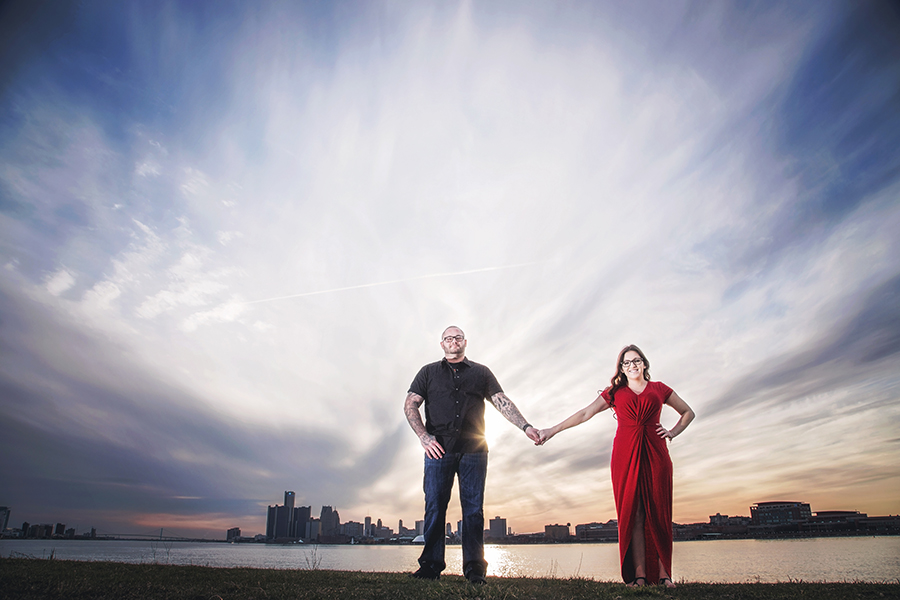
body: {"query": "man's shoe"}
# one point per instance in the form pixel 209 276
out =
pixel 424 573
pixel 476 578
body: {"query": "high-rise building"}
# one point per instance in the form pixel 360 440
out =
pixel 271 517
pixel 232 534
pixel 312 529
pixel 298 524
pixel 367 529
pixel 420 527
pixel 330 522
pixel 60 529
pixel 282 520
pixel 4 517
pixel 498 528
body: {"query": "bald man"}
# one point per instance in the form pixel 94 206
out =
pixel 453 391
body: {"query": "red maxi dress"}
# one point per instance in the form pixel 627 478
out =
pixel 642 471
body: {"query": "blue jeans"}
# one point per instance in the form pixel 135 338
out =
pixel 439 473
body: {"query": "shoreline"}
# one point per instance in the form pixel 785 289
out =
pixel 23 578
pixel 500 542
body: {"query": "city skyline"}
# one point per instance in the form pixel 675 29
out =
pixel 268 531
pixel 231 234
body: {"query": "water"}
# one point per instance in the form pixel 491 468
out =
pixel 816 559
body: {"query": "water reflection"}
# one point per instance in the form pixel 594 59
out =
pixel 818 559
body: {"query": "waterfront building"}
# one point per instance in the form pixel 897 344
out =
pixel 60 530
pixel 285 522
pixel 367 527
pixel 298 522
pixel 271 517
pixel 312 529
pixel 352 529
pixel 42 531
pixel 497 528
pixel 557 532
pixel 420 527
pixel 330 522
pixel 598 532
pixel 773 514
pixel 233 534
pixel 4 518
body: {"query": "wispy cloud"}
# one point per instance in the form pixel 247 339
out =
pixel 226 256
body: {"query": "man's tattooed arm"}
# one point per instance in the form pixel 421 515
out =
pixel 506 407
pixel 411 407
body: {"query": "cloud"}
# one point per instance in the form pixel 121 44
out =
pixel 59 282
pixel 858 350
pixel 135 441
pixel 701 181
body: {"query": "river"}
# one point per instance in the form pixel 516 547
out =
pixel 874 559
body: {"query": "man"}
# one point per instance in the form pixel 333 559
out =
pixel 453 391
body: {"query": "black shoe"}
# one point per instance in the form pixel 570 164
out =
pixel 476 579
pixel 424 573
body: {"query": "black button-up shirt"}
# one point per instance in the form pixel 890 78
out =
pixel 454 396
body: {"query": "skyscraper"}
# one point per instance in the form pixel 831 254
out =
pixel 498 528
pixel 330 522
pixel 298 523
pixel 271 518
pixel 281 520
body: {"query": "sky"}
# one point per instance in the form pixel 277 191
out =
pixel 231 233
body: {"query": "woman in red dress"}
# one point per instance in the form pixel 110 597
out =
pixel 641 467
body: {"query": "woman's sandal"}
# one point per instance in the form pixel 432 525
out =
pixel 634 582
pixel 663 581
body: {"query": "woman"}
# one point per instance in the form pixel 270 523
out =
pixel 641 467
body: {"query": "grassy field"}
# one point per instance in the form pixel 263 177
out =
pixel 33 578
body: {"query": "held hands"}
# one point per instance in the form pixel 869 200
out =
pixel 432 448
pixel 543 436
pixel 533 435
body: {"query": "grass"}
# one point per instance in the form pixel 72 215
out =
pixel 48 579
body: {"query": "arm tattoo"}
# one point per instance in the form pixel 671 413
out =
pixel 506 407
pixel 411 408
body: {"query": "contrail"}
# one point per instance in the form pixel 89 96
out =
pixel 368 285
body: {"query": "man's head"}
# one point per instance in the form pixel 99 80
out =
pixel 453 343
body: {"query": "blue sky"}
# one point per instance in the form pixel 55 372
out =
pixel 231 235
